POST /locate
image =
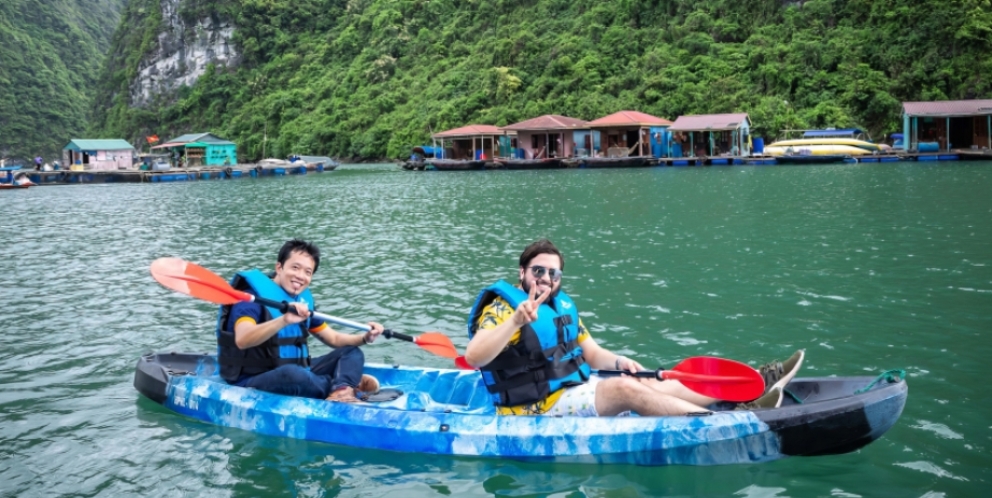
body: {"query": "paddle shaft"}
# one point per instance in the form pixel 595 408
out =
pixel 284 308
pixel 662 374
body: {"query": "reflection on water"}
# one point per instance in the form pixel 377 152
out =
pixel 867 267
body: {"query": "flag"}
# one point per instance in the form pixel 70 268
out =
pixel 152 139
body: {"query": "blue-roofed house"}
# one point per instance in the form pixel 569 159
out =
pixel 100 154
pixel 202 149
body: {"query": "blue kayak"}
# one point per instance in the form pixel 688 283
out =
pixel 448 412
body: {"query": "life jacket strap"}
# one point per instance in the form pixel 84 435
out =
pixel 557 370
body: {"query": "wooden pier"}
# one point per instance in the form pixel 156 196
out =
pixel 951 155
pixel 67 177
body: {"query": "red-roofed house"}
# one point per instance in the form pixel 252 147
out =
pixel 952 124
pixel 546 136
pixel 713 134
pixel 624 131
pixel 470 142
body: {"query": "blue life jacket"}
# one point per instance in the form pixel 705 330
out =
pixel 547 357
pixel 287 347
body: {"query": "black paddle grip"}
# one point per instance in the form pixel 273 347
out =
pixel 396 335
pixel 647 374
pixel 282 306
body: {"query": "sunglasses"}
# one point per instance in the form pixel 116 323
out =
pixel 538 271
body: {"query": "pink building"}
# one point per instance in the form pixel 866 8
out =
pixel 546 136
pixel 100 154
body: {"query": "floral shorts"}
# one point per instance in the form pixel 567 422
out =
pixel 579 401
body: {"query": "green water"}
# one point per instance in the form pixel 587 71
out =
pixel 868 267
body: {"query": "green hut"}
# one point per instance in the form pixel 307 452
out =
pixel 202 149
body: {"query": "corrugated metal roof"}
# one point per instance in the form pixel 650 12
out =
pixel 628 119
pixel 709 122
pixel 846 132
pixel 549 122
pixel 98 144
pixel 948 108
pixel 474 130
pixel 209 138
pixel 166 145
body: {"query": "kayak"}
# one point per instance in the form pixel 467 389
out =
pixel 448 412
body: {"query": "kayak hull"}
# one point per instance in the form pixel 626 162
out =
pixel 447 412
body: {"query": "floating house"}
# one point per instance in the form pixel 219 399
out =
pixel 201 149
pixel 628 133
pixel 711 135
pixel 946 125
pixel 98 154
pixel 548 136
pixel 472 142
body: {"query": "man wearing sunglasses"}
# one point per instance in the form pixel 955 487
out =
pixel 536 356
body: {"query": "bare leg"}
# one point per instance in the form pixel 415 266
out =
pixel 675 388
pixel 620 394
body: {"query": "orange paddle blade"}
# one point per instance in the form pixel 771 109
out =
pixel 718 378
pixel 194 280
pixel 436 343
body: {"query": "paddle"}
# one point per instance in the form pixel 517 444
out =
pixel 196 281
pixel 718 378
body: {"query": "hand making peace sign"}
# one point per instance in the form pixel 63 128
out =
pixel 527 311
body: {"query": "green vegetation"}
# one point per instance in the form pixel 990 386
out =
pixel 370 78
pixel 51 52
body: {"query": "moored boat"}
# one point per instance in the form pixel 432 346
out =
pixel 810 159
pixel 9 180
pixel 611 162
pixel 550 163
pixel 830 142
pixel 455 164
pixel 448 412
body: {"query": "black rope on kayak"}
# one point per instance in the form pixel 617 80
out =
pixel 890 376
pixel 793 396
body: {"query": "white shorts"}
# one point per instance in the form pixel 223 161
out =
pixel 579 401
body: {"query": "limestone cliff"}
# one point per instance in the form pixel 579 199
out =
pixel 184 48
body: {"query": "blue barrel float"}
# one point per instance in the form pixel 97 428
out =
pixel 758 145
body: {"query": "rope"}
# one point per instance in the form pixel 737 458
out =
pixel 793 396
pixel 890 376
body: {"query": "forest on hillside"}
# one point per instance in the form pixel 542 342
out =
pixel 51 54
pixel 370 78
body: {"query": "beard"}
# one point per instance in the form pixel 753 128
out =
pixel 526 287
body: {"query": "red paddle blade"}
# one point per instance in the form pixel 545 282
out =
pixel 436 343
pixel 194 280
pixel 462 364
pixel 737 381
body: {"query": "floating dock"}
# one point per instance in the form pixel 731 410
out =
pixel 951 155
pixel 67 177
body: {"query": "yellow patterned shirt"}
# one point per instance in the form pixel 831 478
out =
pixel 492 316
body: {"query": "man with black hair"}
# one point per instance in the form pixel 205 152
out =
pixel 537 357
pixel 262 348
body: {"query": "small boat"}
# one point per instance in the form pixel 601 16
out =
pixel 19 180
pixel 455 164
pixel 829 142
pixel 810 159
pixel 413 165
pixel 608 162
pixel 448 412
pixel 550 163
